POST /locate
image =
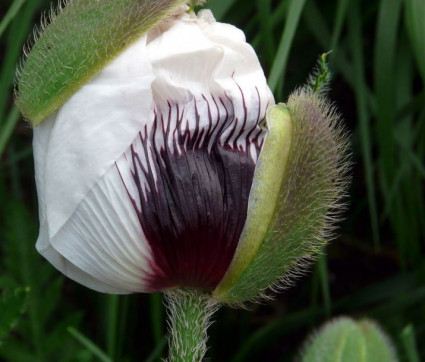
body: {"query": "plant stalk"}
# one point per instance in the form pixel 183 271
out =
pixel 189 313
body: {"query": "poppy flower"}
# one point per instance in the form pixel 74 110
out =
pixel 167 164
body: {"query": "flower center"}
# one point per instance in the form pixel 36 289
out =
pixel 191 175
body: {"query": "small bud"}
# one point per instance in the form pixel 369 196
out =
pixel 344 339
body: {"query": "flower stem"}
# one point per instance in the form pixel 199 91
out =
pixel 189 313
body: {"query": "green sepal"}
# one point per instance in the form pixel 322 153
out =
pixel 344 339
pixel 78 42
pixel 298 183
pixel 264 196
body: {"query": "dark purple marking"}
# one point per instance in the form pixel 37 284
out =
pixel 192 213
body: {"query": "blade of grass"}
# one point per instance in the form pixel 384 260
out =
pixel 220 7
pixel 322 267
pixel 8 127
pixel 408 219
pixel 412 105
pixel 401 302
pixel 158 351
pixel 11 13
pixel 415 24
pixel 111 330
pixel 314 20
pixel 409 343
pixel 360 90
pixel 291 23
pixel 275 18
pixel 17 34
pixel 341 12
pixel 411 156
pixel 157 316
pixel 123 324
pixel 264 12
pixel 97 352
pixel 21 228
pixel 18 156
pixel 385 88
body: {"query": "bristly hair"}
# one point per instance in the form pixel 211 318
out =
pixel 334 194
pixel 312 199
pixel 189 316
pixel 46 18
pixel 74 42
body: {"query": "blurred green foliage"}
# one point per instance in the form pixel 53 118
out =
pixel 375 269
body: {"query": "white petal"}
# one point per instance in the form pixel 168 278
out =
pixel 103 239
pixel 41 141
pixel 92 130
pixel 195 58
pixel 70 270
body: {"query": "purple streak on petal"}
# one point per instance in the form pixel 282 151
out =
pixel 192 195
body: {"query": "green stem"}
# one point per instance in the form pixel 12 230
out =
pixel 189 313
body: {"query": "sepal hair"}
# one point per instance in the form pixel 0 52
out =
pixel 310 202
pixel 76 41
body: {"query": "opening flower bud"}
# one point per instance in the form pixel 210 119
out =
pixel 144 173
pixel 156 165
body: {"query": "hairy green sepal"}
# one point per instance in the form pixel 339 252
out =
pixel 265 193
pixel 297 187
pixel 79 41
pixel 344 339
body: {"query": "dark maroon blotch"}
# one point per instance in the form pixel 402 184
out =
pixel 193 211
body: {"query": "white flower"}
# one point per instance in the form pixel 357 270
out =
pixel 143 175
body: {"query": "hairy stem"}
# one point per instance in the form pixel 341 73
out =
pixel 189 313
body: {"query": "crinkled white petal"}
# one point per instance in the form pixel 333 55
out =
pixel 199 58
pixel 92 129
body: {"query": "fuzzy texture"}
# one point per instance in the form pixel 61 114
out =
pixel 343 339
pixel 310 201
pixel 189 313
pixel 75 42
